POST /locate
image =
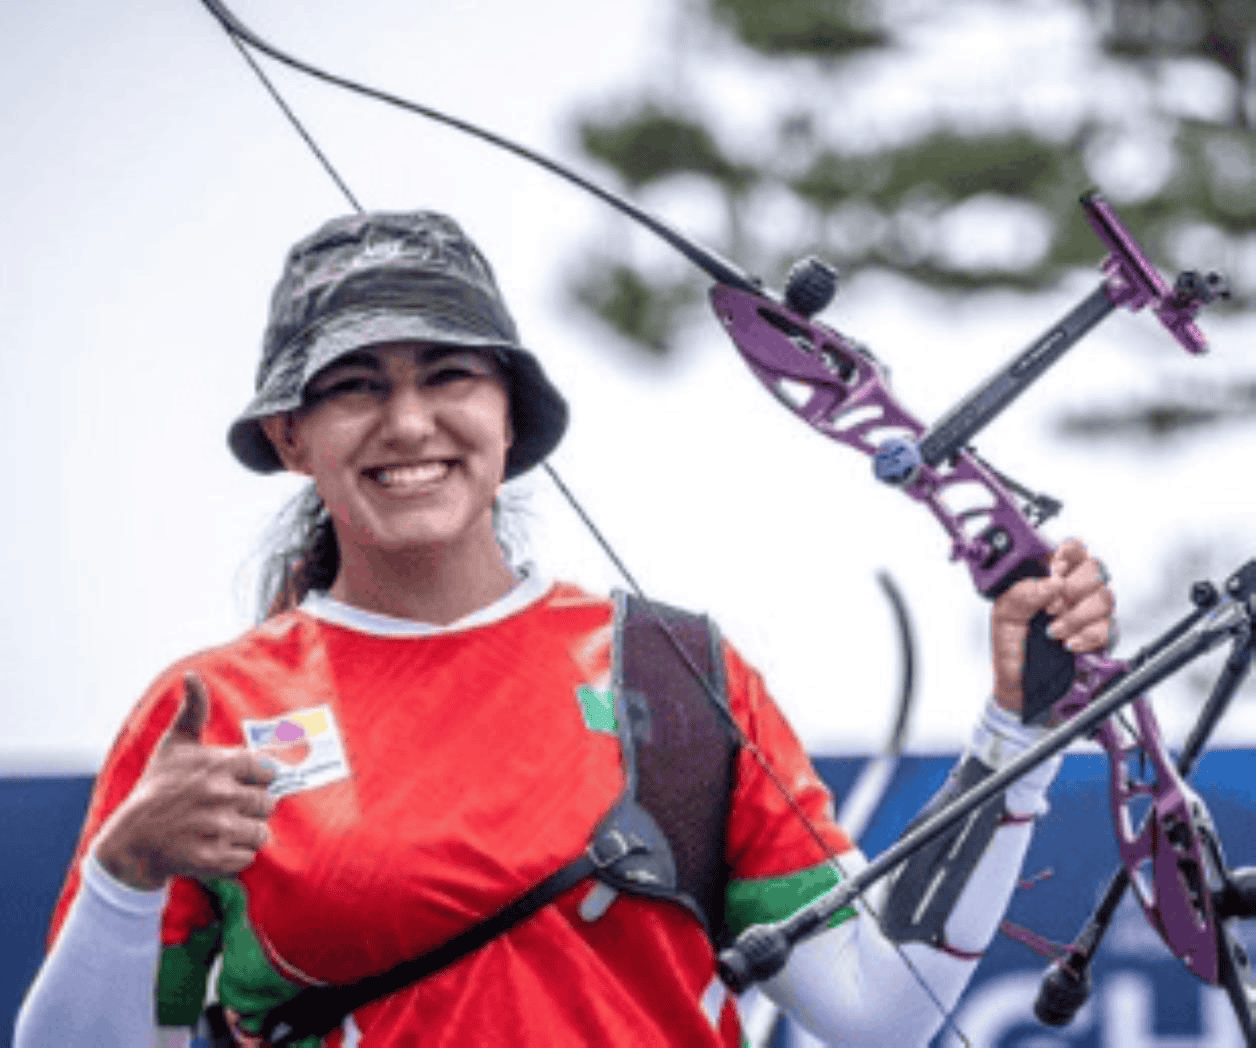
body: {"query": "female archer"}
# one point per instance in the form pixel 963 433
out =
pixel 422 737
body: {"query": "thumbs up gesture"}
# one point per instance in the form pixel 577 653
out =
pixel 197 811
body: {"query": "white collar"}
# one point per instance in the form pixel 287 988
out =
pixel 531 587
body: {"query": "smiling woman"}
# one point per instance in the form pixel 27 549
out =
pixel 415 401
pixel 435 799
pixel 406 444
pixel 407 447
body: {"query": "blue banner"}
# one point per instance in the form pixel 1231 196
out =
pixel 1143 997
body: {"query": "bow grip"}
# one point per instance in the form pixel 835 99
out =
pixel 1049 667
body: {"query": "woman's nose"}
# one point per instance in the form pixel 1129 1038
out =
pixel 409 413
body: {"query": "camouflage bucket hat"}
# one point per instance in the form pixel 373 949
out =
pixel 387 277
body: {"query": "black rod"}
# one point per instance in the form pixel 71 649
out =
pixel 958 426
pixel 1066 984
pixel 761 950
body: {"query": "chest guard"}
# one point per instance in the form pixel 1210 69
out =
pixel 665 837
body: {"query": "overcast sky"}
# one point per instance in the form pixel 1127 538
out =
pixel 149 191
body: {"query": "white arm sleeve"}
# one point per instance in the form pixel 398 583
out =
pixel 850 986
pixel 98 984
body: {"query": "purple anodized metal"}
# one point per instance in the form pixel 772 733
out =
pixel 1164 854
pixel 841 392
pixel 1134 282
pixel 1176 896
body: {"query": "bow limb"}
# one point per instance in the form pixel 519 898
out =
pixel 907 648
pixel 867 791
pixel 718 268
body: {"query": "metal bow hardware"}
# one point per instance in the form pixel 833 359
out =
pixel 839 389
pixel 1178 870
pixel 1169 850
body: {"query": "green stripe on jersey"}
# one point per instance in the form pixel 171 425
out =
pixel 248 983
pixel 765 900
pixel 597 708
pixel 182 977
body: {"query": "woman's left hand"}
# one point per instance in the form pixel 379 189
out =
pixel 1075 595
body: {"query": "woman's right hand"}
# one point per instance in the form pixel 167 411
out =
pixel 197 811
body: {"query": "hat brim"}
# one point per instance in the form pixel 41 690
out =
pixel 538 412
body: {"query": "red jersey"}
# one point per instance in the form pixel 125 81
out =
pixel 427 781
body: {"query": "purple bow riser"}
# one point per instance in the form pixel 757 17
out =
pixel 840 391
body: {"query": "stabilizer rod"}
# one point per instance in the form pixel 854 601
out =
pixel 762 949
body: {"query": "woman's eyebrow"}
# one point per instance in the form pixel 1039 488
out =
pixel 431 354
pixel 357 358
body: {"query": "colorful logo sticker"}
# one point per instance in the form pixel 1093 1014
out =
pixel 304 747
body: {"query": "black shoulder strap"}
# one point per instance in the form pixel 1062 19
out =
pixel 664 837
pixel 317 1010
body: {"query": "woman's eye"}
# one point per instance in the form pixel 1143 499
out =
pixel 347 387
pixel 453 373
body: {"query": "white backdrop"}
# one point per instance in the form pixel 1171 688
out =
pixel 149 191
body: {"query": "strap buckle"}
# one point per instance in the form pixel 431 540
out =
pixel 608 848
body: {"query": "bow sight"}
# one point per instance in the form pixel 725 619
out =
pixel 838 387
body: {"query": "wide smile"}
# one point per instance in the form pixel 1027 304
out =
pixel 410 477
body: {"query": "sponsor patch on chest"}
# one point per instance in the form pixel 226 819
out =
pixel 304 747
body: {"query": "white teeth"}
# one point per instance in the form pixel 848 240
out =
pixel 408 476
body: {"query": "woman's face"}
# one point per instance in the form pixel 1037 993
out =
pixel 406 442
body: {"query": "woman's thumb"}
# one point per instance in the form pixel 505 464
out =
pixel 193 710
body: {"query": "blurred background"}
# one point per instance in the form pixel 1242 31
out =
pixel 933 150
